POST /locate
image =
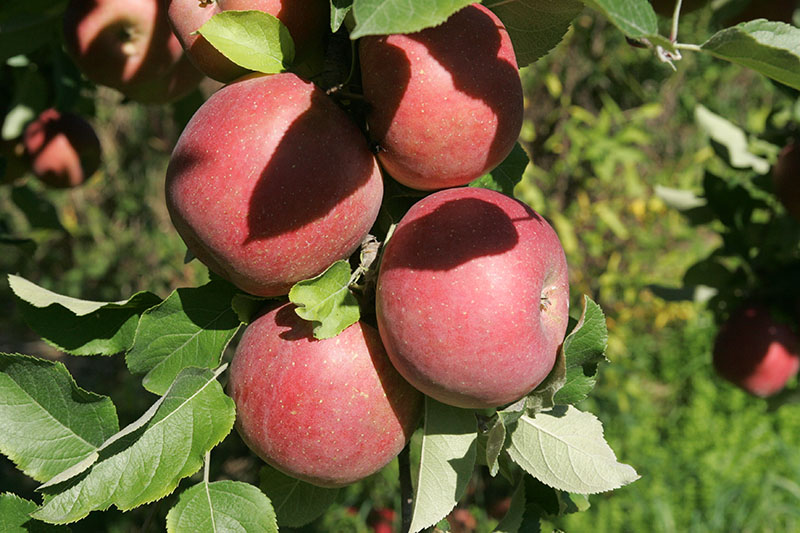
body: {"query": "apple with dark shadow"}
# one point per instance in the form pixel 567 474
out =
pixel 329 412
pixel 306 22
pixel 271 182
pixel 473 297
pixel 445 104
pixel 129 46
pixel 756 352
pixel 63 148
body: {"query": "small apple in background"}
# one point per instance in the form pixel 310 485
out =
pixel 271 182
pixel 381 520
pixel 445 103
pixel 666 8
pixel 63 148
pixel 755 352
pixel 129 46
pixel 306 21
pixel 329 412
pixel 472 297
pixel 786 178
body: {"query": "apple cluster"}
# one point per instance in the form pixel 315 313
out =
pixel 272 181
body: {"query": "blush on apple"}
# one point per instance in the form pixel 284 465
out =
pixel 445 103
pixel 306 22
pixel 271 182
pixel 63 148
pixel 129 46
pixel 329 412
pixel 472 297
pixel 756 352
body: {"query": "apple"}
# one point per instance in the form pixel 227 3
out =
pixel 756 352
pixel 472 297
pixel 129 46
pixel 329 412
pixel 306 21
pixel 271 182
pixel 786 178
pixel 63 148
pixel 445 104
pixel 381 520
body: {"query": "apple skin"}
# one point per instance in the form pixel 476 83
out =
pixel 445 104
pixel 129 46
pixel 329 412
pixel 306 21
pixel 755 352
pixel 473 297
pixel 63 148
pixel 786 178
pixel 271 182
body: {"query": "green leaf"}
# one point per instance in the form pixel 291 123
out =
pixel 28 25
pixel 190 328
pixel 383 17
pixel 80 327
pixel 296 502
pixel 543 397
pixel 254 40
pixel 564 448
pixel 680 199
pixel 222 506
pixel 447 459
pixel 38 209
pixel 14 516
pixel 47 422
pixel 771 48
pixel 635 18
pixel 507 174
pixel 535 26
pixel 729 140
pixel 146 464
pixel 495 442
pixel 584 348
pixel 327 301
pixel 339 10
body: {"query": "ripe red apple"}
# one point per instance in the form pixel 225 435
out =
pixel 755 352
pixel 329 412
pixel 445 103
pixel 63 148
pixel 381 520
pixel 306 22
pixel 786 178
pixel 271 182
pixel 129 46
pixel 472 297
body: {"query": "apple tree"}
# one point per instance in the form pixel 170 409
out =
pixel 350 190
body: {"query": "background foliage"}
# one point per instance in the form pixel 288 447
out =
pixel 606 124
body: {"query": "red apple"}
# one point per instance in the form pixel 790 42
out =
pixel 329 412
pixel 305 20
pixel 271 182
pixel 472 297
pixel 755 352
pixel 446 102
pixel 63 148
pixel 786 178
pixel 128 45
pixel 381 520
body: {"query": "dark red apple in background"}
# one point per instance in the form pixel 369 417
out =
pixel 472 297
pixel 129 46
pixel 306 21
pixel 755 352
pixel 381 520
pixel 63 148
pixel 329 412
pixel 271 182
pixel 786 178
pixel 445 103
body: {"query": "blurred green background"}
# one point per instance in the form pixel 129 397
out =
pixel 606 123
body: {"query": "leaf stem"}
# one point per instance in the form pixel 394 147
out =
pixel 207 467
pixel 687 46
pixel 406 490
pixel 675 18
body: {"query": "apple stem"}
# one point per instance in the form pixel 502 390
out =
pixel 406 490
